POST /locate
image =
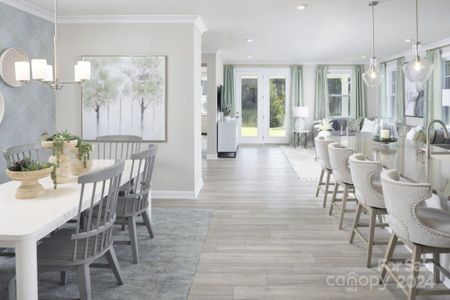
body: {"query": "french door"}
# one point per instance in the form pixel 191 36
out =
pixel 262 102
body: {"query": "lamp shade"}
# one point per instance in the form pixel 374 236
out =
pixel 446 97
pixel 83 70
pixel 300 112
pixel 38 69
pixel 22 69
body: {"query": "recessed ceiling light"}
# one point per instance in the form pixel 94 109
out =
pixel 249 57
pixel 302 6
pixel 408 40
pixel 364 57
pixel 249 40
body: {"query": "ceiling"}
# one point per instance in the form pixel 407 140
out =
pixel 327 31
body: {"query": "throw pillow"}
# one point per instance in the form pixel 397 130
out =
pixel 368 126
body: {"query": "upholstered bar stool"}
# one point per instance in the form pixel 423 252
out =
pixel 368 192
pixel 339 155
pixel 323 158
pixel 423 229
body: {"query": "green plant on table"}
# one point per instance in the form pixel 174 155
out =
pixel 58 140
pixel 84 152
pixel 29 165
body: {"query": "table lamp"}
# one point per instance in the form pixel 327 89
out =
pixel 300 113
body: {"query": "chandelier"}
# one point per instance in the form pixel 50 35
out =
pixel 47 74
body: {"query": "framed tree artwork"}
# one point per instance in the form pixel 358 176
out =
pixel 414 99
pixel 125 96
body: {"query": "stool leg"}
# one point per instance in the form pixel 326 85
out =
pixel 415 261
pixel 388 256
pixel 356 222
pixel 436 272
pixel 327 187
pixel 372 221
pixel 333 199
pixel 320 182
pixel 343 206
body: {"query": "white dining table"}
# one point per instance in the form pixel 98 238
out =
pixel 24 222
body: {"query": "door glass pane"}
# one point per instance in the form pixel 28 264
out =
pixel 277 118
pixel 249 98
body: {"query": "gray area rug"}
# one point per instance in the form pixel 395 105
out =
pixel 167 263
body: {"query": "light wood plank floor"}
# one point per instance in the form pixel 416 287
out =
pixel 270 238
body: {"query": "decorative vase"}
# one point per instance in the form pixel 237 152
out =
pixel 324 133
pixel 30 186
pixel 63 174
pixel 79 168
pixel 385 131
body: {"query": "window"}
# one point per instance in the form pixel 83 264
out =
pixel 339 84
pixel 447 74
pixel 391 91
pixel 204 91
pixel 446 85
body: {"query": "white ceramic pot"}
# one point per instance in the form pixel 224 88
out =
pixel 78 168
pixel 324 133
pixel 63 171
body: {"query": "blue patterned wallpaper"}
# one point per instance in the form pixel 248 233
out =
pixel 30 110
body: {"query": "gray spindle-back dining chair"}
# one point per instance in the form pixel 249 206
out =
pixel 17 153
pixel 77 248
pixel 134 199
pixel 117 146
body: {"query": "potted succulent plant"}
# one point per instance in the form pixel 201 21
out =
pixel 82 163
pixel 28 172
pixel 61 144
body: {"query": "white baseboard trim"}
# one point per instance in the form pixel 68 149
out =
pixel 211 156
pixel 198 188
pixel 182 195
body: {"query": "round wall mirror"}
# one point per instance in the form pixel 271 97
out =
pixel 7 65
pixel 2 107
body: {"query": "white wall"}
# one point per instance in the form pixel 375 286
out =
pixel 178 166
pixel 215 78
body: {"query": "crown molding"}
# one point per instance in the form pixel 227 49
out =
pixel 108 19
pixel 30 9
pixel 407 53
pixel 135 19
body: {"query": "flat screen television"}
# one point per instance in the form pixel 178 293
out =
pixel 219 97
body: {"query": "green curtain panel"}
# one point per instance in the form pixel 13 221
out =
pixel 399 115
pixel 296 95
pixel 228 88
pixel 433 88
pixel 321 101
pixel 382 92
pixel 297 86
pixel 358 93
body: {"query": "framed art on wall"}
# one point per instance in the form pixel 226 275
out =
pixel 126 95
pixel 414 99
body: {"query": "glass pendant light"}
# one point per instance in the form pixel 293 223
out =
pixel 372 77
pixel 418 70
